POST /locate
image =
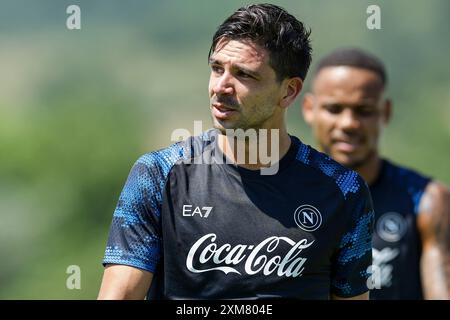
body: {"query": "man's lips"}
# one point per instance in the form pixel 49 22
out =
pixel 347 145
pixel 220 111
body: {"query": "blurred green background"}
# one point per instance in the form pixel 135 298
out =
pixel 78 107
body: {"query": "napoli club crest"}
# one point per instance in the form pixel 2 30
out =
pixel 307 217
pixel 391 226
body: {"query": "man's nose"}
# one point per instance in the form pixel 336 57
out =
pixel 224 84
pixel 348 120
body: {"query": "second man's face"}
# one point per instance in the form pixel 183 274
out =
pixel 243 89
pixel 346 112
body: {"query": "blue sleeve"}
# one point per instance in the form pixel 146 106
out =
pixel 354 255
pixel 135 233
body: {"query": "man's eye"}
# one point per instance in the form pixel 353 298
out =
pixel 334 108
pixel 216 69
pixel 365 112
pixel 242 74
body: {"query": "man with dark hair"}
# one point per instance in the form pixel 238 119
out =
pixel 347 111
pixel 189 226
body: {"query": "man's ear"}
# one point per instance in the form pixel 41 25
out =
pixel 387 110
pixel 308 108
pixel 293 87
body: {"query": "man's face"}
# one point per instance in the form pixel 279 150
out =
pixel 243 89
pixel 347 112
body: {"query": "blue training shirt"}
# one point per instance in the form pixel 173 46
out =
pixel 397 248
pixel 212 230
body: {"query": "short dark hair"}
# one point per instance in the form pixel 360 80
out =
pixel 274 29
pixel 354 57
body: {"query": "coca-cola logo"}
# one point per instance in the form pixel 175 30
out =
pixel 382 267
pixel 255 259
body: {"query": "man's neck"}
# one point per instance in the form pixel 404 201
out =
pixel 370 169
pixel 254 154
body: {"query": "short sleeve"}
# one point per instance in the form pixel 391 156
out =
pixel 135 232
pixel 354 255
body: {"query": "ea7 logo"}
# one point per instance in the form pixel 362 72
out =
pixel 203 212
